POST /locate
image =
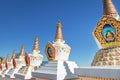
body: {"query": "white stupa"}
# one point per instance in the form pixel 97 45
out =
pixel 17 63
pixel 2 65
pixel 7 65
pixel 106 62
pixel 32 62
pixel 58 67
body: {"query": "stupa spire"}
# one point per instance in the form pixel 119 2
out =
pixel 58 35
pixel 35 47
pixel 22 51
pixel 14 54
pixel 109 8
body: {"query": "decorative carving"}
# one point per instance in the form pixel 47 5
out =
pixel 99 64
pixel 107 19
pixel 111 58
pixel 27 59
pixel 107 56
pixel 104 63
pixel 111 63
pixel 105 59
pixel 13 59
pixel 0 66
pixel 118 63
pixel 50 51
pixel 23 70
pixel 6 62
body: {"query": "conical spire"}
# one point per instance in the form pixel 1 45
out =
pixel 108 7
pixel 14 54
pixel 58 35
pixel 35 47
pixel 22 51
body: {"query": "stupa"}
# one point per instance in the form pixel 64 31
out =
pixel 106 62
pixel 17 63
pixel 2 65
pixel 107 36
pixel 8 65
pixel 32 62
pixel 58 67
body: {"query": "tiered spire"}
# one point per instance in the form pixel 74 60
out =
pixel 22 51
pixel 14 54
pixel 108 7
pixel 58 35
pixel 35 47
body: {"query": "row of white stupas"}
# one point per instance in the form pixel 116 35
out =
pixel 105 65
pixel 21 66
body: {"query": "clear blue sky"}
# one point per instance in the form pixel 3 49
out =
pixel 22 20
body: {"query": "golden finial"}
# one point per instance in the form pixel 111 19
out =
pixel 14 54
pixel 58 35
pixel 108 7
pixel 22 51
pixel 35 47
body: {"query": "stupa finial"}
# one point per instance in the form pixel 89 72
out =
pixel 58 35
pixel 108 7
pixel 35 47
pixel 22 51
pixel 14 54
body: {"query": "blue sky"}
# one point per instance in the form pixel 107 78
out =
pixel 22 20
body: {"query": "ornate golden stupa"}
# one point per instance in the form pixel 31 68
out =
pixel 107 36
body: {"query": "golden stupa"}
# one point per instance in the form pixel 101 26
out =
pixel 107 36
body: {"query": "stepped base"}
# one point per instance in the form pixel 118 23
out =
pixel 11 73
pixel 55 70
pixel 5 71
pixel 24 73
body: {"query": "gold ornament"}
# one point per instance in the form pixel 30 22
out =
pixel 107 19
